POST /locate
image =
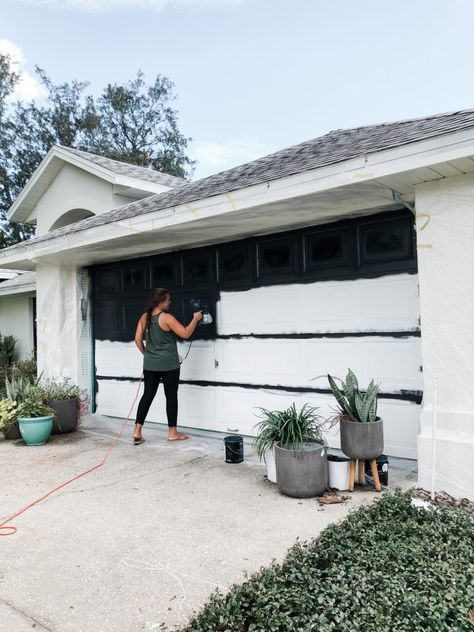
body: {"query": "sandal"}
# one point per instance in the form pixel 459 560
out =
pixel 137 441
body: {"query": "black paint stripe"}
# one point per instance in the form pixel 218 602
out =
pixel 410 333
pixel 403 395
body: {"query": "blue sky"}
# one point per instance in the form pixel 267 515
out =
pixel 254 76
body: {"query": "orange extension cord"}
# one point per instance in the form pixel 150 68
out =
pixel 10 529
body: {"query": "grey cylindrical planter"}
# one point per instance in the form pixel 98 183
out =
pixel 362 441
pixel 302 473
pixel 65 414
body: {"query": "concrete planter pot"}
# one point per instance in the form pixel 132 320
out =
pixel 302 473
pixel 362 441
pixel 65 414
pixel 35 430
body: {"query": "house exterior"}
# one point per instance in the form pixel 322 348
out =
pixel 18 310
pixel 349 250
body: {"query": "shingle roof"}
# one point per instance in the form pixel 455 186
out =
pixel 125 169
pixel 334 147
pixel 22 279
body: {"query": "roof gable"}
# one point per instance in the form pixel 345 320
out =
pixel 139 180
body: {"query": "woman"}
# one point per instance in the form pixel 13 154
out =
pixel 161 360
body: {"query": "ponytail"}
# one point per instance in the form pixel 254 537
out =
pixel 157 296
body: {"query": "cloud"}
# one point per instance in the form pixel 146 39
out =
pixel 213 157
pixel 114 5
pixel 28 87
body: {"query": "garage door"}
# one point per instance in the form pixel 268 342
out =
pixel 288 308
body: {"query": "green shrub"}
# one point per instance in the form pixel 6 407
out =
pixel 387 567
pixel 7 350
pixel 25 368
pixel 32 404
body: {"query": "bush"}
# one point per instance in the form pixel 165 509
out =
pixel 7 350
pixel 63 388
pixel 25 368
pixel 389 566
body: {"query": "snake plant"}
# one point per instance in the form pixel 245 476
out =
pixel 358 405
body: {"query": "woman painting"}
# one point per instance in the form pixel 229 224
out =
pixel 159 329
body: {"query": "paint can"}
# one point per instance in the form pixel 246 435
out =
pixel 338 472
pixel 382 469
pixel 234 449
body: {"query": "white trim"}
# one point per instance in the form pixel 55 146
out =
pixel 18 289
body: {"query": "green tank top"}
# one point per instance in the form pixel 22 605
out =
pixel 161 353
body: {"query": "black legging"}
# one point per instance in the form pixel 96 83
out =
pixel 152 380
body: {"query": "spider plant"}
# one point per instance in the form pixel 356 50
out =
pixel 289 427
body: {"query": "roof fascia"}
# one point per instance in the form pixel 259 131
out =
pixel 20 289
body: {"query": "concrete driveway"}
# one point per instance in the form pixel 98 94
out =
pixel 143 540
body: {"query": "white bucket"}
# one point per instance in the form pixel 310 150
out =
pixel 338 472
pixel 271 467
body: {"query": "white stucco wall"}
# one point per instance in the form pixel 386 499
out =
pixel 64 346
pixel 445 222
pixel 16 319
pixel 74 188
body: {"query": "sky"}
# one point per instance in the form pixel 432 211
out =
pixel 255 76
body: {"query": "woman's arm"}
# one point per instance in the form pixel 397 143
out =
pixel 177 328
pixel 140 333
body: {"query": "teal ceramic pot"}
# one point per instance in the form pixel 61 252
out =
pixel 35 430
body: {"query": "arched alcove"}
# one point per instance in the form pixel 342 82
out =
pixel 70 217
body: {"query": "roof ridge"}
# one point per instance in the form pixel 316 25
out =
pixel 74 150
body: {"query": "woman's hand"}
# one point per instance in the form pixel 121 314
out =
pixel 197 316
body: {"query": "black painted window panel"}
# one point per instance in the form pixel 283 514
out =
pixel 234 263
pixel 197 268
pixel 164 272
pixel 108 281
pixel 385 241
pixel 327 249
pixel 134 277
pixel 276 257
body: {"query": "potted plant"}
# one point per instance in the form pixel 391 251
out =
pixel 300 453
pixel 35 418
pixel 8 421
pixel 68 402
pixel 16 387
pixel 268 434
pixel 361 428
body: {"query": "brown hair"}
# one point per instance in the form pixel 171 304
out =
pixel 157 296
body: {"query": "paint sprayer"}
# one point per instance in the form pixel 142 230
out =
pixel 198 306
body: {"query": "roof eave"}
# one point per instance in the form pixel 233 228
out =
pixel 371 167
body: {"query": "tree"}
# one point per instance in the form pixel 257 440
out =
pixel 137 124
pixel 133 123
